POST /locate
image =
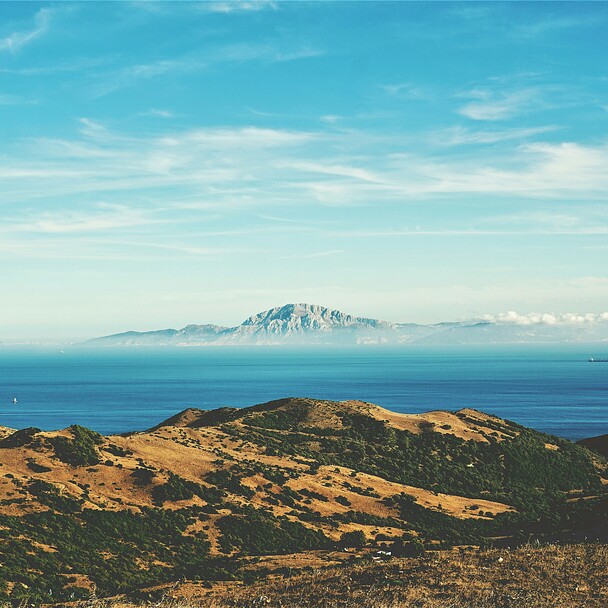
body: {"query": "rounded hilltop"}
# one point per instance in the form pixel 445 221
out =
pixel 304 413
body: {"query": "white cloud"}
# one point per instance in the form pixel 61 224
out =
pixel 538 170
pixel 222 170
pixel 238 6
pixel 17 40
pixel 410 91
pixel 489 104
pixel 99 219
pixel 458 136
pixel 160 113
pixel 537 318
pixel 114 80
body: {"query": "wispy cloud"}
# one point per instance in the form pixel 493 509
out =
pixel 101 218
pixel 77 65
pixel 252 166
pixel 493 21
pixel 210 191
pixel 130 75
pixel 491 104
pixel 238 6
pixel 18 39
pixel 12 100
pixel 554 24
pixel 410 91
pixel 159 113
pixel 458 136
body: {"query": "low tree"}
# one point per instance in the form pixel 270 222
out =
pixel 355 539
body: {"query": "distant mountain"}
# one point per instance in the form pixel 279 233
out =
pixel 309 323
pixel 313 324
pixel 292 323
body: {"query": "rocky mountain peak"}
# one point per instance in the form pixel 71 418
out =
pixel 300 318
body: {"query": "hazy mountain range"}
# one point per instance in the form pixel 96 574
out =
pixel 313 324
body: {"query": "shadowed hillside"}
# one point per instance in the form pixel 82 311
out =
pixel 596 444
pixel 201 495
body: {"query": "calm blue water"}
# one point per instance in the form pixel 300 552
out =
pixel 554 390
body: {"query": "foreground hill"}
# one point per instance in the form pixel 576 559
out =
pixel 313 324
pixel 532 576
pixel 200 495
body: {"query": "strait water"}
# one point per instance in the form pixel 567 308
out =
pixel 553 389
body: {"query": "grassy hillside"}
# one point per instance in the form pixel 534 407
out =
pixel 203 494
pixel 551 576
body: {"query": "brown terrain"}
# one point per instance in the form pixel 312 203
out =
pixel 190 445
pixel 273 459
pixel 553 576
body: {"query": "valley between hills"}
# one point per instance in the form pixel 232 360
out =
pixel 233 498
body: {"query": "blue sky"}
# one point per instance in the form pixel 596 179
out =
pixel 173 163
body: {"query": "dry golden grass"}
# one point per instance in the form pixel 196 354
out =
pixel 573 576
pixel 186 444
pixel 529 577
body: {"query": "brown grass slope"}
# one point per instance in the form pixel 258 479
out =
pixel 194 443
pixel 294 464
pixel 553 576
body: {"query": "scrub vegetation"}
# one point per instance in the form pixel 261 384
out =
pixel 208 496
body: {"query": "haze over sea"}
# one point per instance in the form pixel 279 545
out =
pixel 550 388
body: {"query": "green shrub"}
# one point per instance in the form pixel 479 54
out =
pixel 81 450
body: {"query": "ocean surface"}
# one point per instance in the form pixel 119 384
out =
pixel 551 388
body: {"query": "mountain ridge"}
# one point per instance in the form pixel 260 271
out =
pixel 314 324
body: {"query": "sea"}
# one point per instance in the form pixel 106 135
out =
pixel 554 389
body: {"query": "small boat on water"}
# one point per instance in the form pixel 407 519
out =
pixel 14 400
pixel 592 360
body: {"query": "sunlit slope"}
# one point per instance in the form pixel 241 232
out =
pixel 188 497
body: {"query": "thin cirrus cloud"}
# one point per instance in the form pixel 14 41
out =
pixel 553 25
pixel 458 135
pixel 243 6
pixel 410 91
pixel 102 217
pixel 15 41
pixel 489 105
pixel 493 18
pixel 276 166
pixel 130 75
